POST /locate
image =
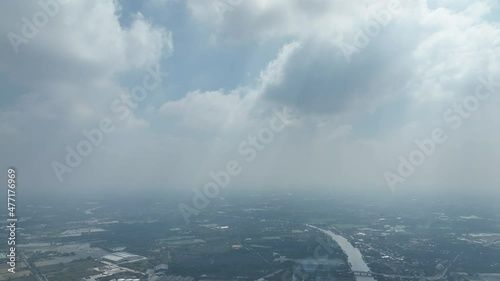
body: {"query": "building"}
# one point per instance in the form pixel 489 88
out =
pixel 161 269
pixel 170 278
pixel 121 257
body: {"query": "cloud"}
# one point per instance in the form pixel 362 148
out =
pixel 84 40
pixel 427 59
pixel 66 76
pixel 353 117
pixel 207 110
pixel 255 20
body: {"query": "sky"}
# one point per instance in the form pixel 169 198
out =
pixel 161 94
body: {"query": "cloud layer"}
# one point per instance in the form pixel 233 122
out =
pixel 364 81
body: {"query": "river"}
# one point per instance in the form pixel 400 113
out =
pixel 354 256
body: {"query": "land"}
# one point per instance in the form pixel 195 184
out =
pixel 250 236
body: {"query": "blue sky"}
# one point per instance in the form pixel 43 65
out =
pixel 360 100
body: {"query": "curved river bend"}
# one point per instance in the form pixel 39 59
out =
pixel 354 256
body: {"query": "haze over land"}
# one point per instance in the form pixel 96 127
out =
pixel 354 108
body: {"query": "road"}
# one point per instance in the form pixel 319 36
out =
pixel 36 273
